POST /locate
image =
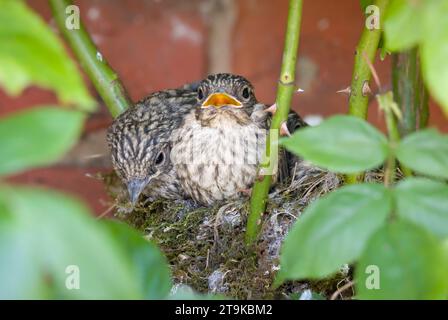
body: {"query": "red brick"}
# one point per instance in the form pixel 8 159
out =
pixel 72 181
pixel 152 45
pixel 329 35
pixel 30 97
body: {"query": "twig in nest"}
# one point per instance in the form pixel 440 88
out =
pixel 207 259
pixel 342 289
pixel 217 222
pixel 105 212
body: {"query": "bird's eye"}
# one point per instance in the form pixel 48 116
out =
pixel 200 94
pixel 160 158
pixel 246 93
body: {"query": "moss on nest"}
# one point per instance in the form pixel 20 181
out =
pixel 205 245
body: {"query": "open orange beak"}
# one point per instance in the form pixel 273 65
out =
pixel 219 100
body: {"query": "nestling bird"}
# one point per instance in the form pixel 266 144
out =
pixel 217 149
pixel 139 141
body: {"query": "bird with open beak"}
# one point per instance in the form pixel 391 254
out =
pixel 139 141
pixel 217 149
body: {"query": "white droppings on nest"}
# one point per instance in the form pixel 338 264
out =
pixel 231 218
pixel 182 31
pixel 306 295
pixel 204 229
pixel 216 282
pixel 183 257
pixel 275 267
pixel 181 290
pixel 344 270
pixel 279 224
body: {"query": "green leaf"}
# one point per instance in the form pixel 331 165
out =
pixel 19 277
pixel 364 4
pixel 150 265
pixel 333 231
pixel 409 262
pixel 423 23
pixel 425 203
pixel 31 54
pixel 344 144
pixel 37 137
pixel 61 233
pixel 434 50
pixel 426 152
pixel 403 24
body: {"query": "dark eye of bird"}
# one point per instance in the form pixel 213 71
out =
pixel 200 94
pixel 160 158
pixel 246 93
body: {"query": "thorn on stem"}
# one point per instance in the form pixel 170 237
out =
pixel 366 89
pixel 272 109
pixel 284 130
pixel 347 91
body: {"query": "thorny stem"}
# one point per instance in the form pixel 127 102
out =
pixel 285 91
pixel 367 46
pixel 409 90
pixel 409 93
pixel 100 73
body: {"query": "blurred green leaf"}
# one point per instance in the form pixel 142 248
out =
pixel 410 261
pixel 434 51
pixel 426 152
pixel 425 203
pixel 19 276
pixel 37 137
pixel 31 54
pixel 364 4
pixel 403 24
pixel 61 233
pixel 151 267
pixel 344 144
pixel 423 23
pixel 333 231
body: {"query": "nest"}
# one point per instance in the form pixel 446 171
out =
pixel 205 245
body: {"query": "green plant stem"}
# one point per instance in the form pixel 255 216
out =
pixel 100 73
pixel 285 90
pixel 359 98
pixel 409 91
pixel 394 139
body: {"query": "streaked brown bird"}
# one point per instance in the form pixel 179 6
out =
pixel 217 149
pixel 139 142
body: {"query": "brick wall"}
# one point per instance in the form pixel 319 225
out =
pixel 157 44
